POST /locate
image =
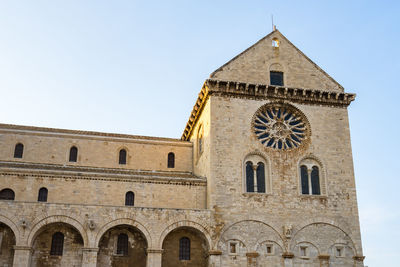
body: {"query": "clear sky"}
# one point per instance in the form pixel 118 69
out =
pixel 136 67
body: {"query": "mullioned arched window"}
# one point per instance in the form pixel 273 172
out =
pixel 256 176
pixel 311 178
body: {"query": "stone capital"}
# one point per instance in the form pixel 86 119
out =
pixel 90 249
pixel 215 252
pixel 287 255
pixel 30 249
pixel 324 257
pixel 253 254
pixel 154 250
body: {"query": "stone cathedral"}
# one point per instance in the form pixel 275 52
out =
pixel 262 176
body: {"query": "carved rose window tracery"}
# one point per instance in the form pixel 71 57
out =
pixel 280 126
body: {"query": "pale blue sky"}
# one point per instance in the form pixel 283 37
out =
pixel 136 67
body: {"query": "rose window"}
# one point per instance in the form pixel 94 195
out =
pixel 280 126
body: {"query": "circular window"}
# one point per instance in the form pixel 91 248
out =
pixel 280 126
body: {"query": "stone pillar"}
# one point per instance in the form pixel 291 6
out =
pixel 252 258
pixel 22 256
pixel 288 259
pixel 358 261
pixel 215 258
pixel 154 257
pixel 324 260
pixel 89 257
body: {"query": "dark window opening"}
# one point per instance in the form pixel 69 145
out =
pixel 122 156
pixel 73 154
pixel 7 194
pixel 57 244
pixel 304 180
pixel 249 177
pixel 18 151
pixel 260 177
pixel 129 198
pixel 184 248
pixel 276 78
pixel 171 160
pixel 315 181
pixel 122 244
pixel 42 197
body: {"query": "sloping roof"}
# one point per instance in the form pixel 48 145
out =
pixel 212 75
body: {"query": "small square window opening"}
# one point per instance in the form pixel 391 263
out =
pixel 339 251
pixel 303 252
pixel 233 248
pixel 269 249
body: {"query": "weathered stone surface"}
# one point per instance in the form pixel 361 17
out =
pixel 205 196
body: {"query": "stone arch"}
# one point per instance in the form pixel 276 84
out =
pixel 322 222
pixel 42 222
pixel 278 238
pixel 13 226
pixel 123 221
pixel 185 223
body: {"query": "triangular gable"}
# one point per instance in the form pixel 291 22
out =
pixel 254 64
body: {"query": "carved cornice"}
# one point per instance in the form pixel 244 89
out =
pixel 194 115
pixel 93 173
pixel 263 91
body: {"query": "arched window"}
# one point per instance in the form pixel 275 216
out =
pixel 129 198
pixel 7 194
pixel 256 175
pixel 122 156
pixel 184 248
pixel 200 141
pixel 260 177
pixel 122 244
pixel 276 78
pixel 57 244
pixel 73 154
pixel 315 181
pixel 304 180
pixel 249 177
pixel 311 179
pixel 171 160
pixel 42 197
pixel 18 151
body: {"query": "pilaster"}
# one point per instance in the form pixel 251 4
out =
pixel 22 256
pixel 215 258
pixel 324 260
pixel 287 259
pixel 89 257
pixel 154 257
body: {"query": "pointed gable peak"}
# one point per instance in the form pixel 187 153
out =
pixel 276 53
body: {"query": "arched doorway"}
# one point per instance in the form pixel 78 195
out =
pixel 7 242
pixel 122 245
pixel 57 244
pixel 185 246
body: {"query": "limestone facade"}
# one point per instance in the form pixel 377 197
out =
pixel 204 197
